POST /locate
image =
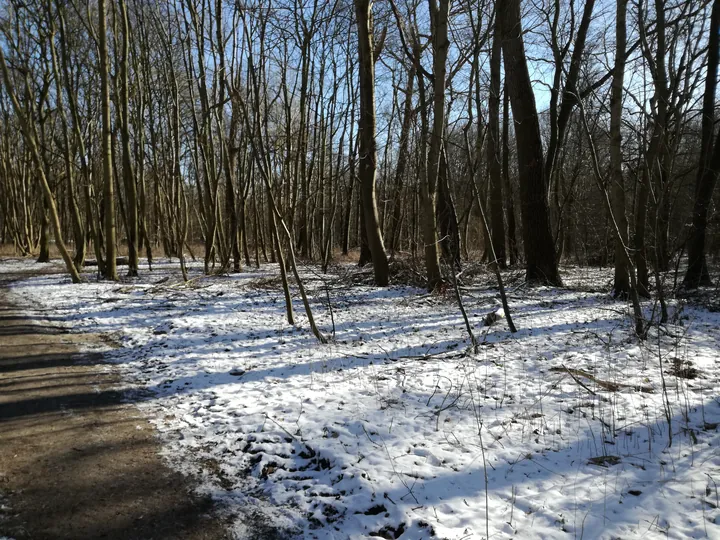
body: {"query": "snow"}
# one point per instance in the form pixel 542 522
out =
pixel 394 428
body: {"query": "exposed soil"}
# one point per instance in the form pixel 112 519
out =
pixel 77 458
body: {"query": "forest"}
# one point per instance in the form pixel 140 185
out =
pixel 257 133
pixel 499 218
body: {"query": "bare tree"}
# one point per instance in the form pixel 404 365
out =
pixel 621 286
pixel 31 140
pixel 106 149
pixel 497 223
pixel 709 164
pixel 366 135
pixel 540 254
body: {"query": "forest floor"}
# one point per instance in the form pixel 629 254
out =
pixel 77 459
pixel 570 428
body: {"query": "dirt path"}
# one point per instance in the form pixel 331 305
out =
pixel 77 460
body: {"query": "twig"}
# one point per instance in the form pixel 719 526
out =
pixel 578 381
pixel 487 498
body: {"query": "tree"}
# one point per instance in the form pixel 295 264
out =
pixel 497 223
pixel 439 14
pixel 31 140
pixel 106 149
pixel 77 226
pixel 708 167
pixel 621 286
pixel 127 162
pixel 540 255
pixel 367 165
pixel 402 161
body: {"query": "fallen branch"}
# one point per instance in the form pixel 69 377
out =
pixel 606 385
pixel 570 372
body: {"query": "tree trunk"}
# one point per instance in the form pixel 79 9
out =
pixel 428 191
pixel 697 273
pixel 570 95
pixel 402 162
pixel 361 230
pixel 77 228
pixel 30 139
pixel 347 218
pixel 106 150
pixel 44 255
pixel 621 287
pixel 643 195
pixel 128 168
pixel 367 144
pixel 447 215
pixel 541 260
pixel 497 225
pixel 510 205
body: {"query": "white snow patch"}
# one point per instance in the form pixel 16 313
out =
pixel 393 427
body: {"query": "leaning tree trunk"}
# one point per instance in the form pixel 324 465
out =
pixel 77 227
pixel 570 94
pixel 541 260
pixel 30 139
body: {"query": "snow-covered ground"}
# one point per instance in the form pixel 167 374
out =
pixel 395 429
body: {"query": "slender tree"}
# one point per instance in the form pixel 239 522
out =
pixel 621 286
pixel 497 223
pixel 106 149
pixel 128 166
pixel 439 15
pixel 709 164
pixel 31 139
pixel 367 165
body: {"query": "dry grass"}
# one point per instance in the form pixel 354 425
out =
pixel 8 250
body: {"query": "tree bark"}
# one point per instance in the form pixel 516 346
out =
pixel 439 14
pixel 401 166
pixel 367 165
pixel 621 286
pixel 30 139
pixel 697 273
pixel 106 150
pixel 78 230
pixel 127 162
pixel 570 95
pixel 541 260
pixel 510 205
pixel 44 255
pixel 497 225
pixel 447 215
